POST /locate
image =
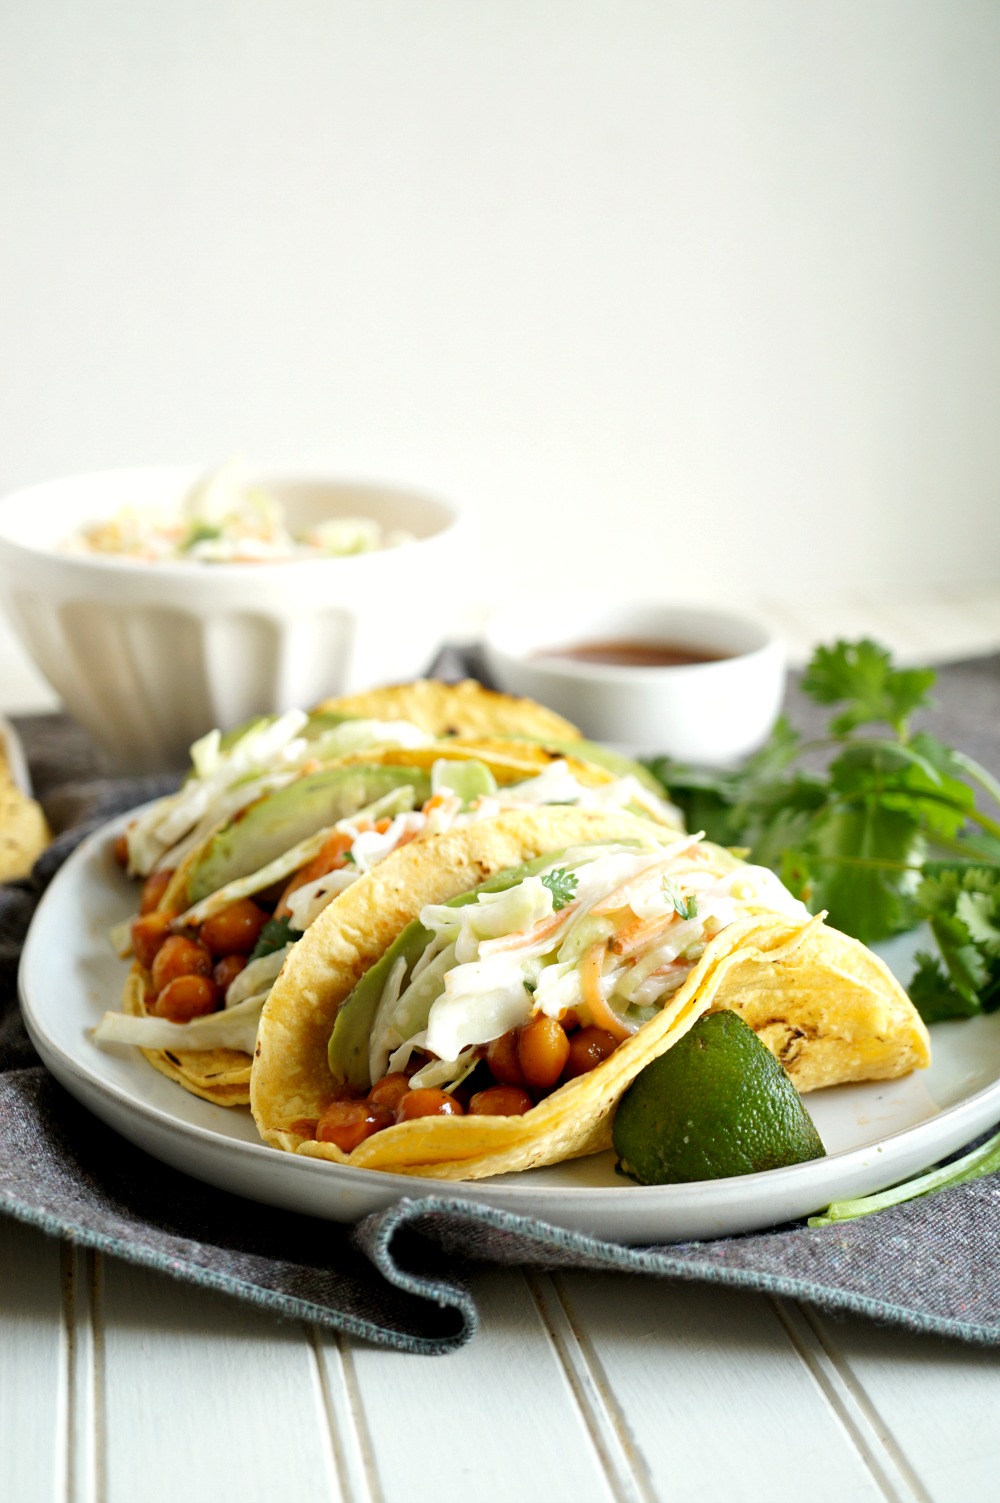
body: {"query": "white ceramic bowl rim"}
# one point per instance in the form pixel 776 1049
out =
pixel 445 518
pixel 740 636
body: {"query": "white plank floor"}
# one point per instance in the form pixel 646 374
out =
pixel 119 1386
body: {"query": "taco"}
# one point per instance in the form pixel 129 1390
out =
pixel 516 975
pixel 216 931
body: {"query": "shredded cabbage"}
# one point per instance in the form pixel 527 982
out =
pixel 267 755
pixel 233 1028
pixel 468 988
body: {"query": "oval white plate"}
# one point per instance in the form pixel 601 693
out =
pixel 876 1134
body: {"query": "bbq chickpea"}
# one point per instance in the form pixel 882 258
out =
pixel 187 997
pixel 153 889
pixel 587 1048
pixel 389 1090
pixel 542 1051
pixel 179 956
pixel 348 1123
pixel 226 970
pixel 148 934
pixel 500 1101
pixel 427 1102
pixel 235 929
pixel 501 1056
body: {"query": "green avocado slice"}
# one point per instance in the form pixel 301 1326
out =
pixel 273 824
pixel 348 1050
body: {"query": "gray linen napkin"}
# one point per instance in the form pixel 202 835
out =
pixel 401 1277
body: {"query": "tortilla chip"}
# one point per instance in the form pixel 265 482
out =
pixel 465 709
pixel 817 994
pixel 24 833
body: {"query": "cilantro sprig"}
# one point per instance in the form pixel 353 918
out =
pixel 890 833
pixel 684 907
pixel 562 884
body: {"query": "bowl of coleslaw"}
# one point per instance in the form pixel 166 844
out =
pixel 159 602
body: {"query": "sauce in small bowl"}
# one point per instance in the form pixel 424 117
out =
pixel 623 653
pixel 700 684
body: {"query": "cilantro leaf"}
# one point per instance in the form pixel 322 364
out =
pixel 861 676
pixel 866 838
pixel 562 884
pixel 857 857
pixel 933 995
pixel 732 807
pixel 962 906
pixel 685 908
pixel 275 934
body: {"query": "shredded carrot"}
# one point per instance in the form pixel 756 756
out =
pixel 525 938
pixel 436 801
pixel 329 858
pixel 636 936
pixel 601 1014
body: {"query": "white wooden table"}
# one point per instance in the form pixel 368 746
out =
pixel 120 1386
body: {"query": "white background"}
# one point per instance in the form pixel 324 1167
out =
pixel 691 298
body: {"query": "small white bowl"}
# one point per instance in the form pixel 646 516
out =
pixel 711 713
pixel 148 656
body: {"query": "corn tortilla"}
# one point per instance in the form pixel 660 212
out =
pixel 464 709
pixel 819 999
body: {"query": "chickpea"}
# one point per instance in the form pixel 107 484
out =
pixel 187 997
pixel 427 1103
pixel 500 1101
pixel 542 1050
pixel 226 971
pixel 179 956
pixel 388 1090
pixel 501 1056
pixel 348 1123
pixel 153 889
pixel 235 929
pixel 587 1048
pixel 148 934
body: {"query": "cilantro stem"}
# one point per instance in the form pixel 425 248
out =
pixel 879 863
pixel 927 796
pixel 982 1160
pixel 978 774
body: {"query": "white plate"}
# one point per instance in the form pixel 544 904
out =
pixel 876 1134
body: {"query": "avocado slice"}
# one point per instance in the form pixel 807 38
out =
pixel 348 1049
pixel 279 820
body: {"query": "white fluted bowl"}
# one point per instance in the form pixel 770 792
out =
pixel 148 656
